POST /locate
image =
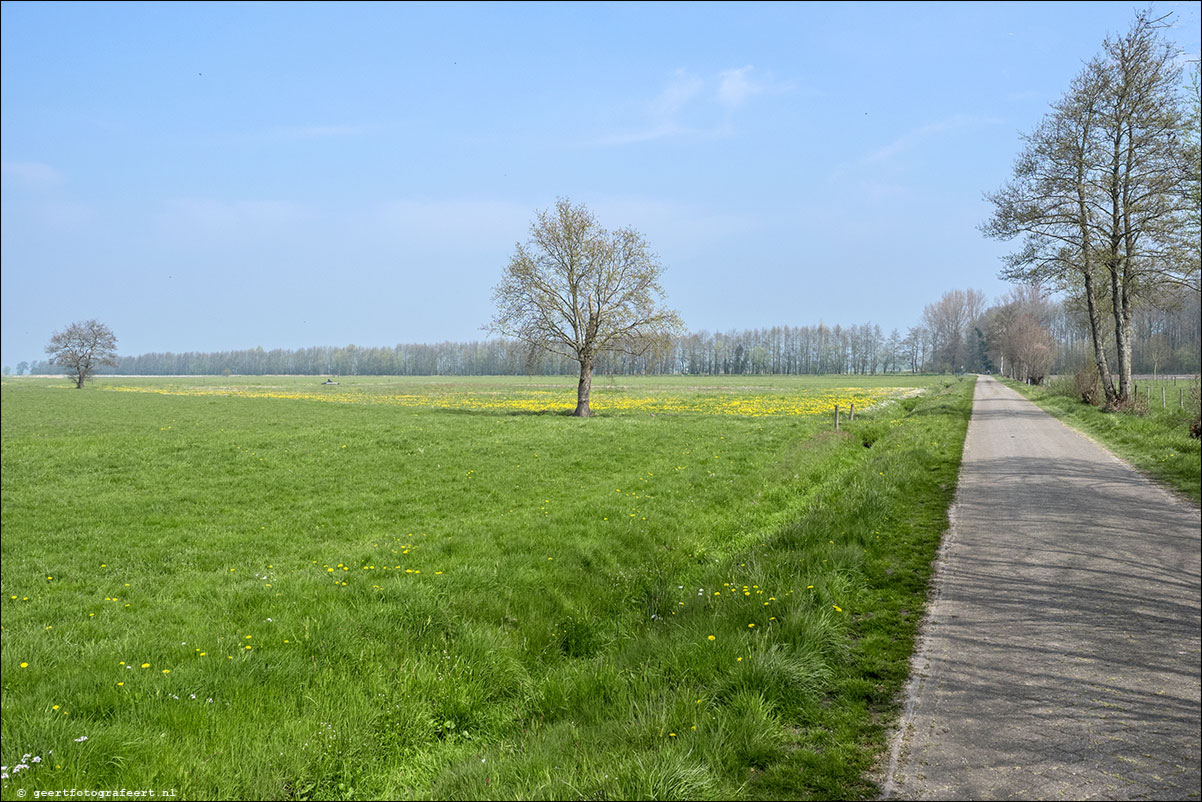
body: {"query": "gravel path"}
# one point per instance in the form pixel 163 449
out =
pixel 1061 653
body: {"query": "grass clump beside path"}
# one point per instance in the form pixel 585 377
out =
pixel 1154 439
pixel 270 598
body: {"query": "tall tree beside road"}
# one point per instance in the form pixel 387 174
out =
pixel 1100 192
pixel 1048 203
pixel 1190 234
pixel 578 290
pixel 81 348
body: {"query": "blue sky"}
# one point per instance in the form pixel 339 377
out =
pixel 214 176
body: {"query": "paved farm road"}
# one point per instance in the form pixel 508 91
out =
pixel 1061 654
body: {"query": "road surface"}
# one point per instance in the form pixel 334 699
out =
pixel 1060 657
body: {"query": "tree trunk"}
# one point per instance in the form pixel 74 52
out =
pixel 1099 345
pixel 1087 269
pixel 1122 342
pixel 79 377
pixel 583 389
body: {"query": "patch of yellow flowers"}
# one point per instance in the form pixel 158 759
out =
pixel 808 402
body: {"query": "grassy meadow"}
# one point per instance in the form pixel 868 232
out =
pixel 267 588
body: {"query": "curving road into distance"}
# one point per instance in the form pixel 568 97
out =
pixel 1060 656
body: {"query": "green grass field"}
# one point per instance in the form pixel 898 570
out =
pixel 262 588
pixel 1154 439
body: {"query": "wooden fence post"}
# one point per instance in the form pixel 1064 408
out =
pixel 836 417
pixel 1162 402
pixel 1181 398
pixel 851 415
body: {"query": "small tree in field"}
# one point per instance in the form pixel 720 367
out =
pixel 81 348
pixel 578 290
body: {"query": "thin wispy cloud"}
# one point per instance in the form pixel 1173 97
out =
pixel 737 86
pixel 664 111
pixel 31 174
pixel 917 136
pixel 323 131
pixel 1025 95
pixel 41 197
pixel 472 224
pixel 682 89
pixel 208 217
pixel 306 131
pixel 692 106
pixel 677 230
pixel 666 130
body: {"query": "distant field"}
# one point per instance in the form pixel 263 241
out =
pixel 1168 394
pixel 750 395
pixel 425 588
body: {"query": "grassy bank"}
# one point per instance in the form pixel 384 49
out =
pixel 1154 439
pixel 259 596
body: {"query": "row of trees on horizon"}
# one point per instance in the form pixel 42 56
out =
pixel 1025 335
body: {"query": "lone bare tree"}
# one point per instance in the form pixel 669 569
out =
pixel 81 348
pixel 578 290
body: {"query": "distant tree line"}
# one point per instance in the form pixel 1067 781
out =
pixel 1024 334
pixel 780 349
pixel 1028 335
